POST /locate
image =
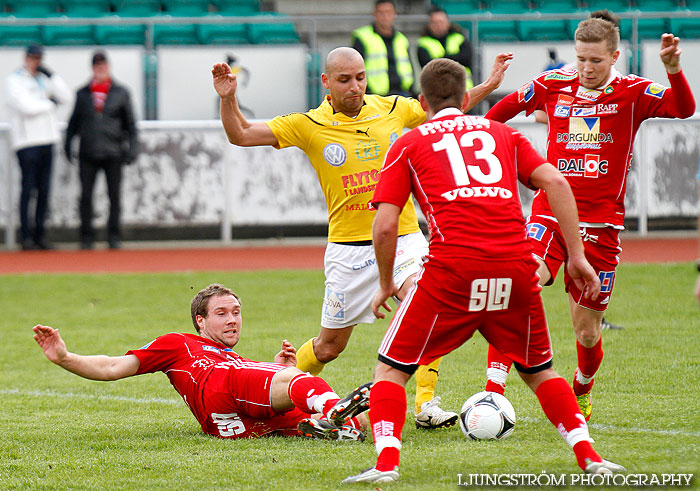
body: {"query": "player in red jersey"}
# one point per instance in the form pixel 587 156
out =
pixel 479 273
pixel 593 114
pixel 231 396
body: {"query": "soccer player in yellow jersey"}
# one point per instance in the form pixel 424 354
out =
pixel 345 139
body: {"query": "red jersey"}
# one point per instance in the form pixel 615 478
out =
pixel 463 170
pixel 208 376
pixel 591 132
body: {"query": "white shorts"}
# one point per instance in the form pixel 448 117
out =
pixel 352 278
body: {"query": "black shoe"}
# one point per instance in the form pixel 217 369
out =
pixel 87 244
pixel 607 325
pixel 115 244
pixel 44 244
pixel 350 406
pixel 29 245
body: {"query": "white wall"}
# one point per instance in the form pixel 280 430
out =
pixel 653 68
pixel 275 82
pixel 74 64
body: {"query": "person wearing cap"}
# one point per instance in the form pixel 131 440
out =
pixel 32 93
pixel 103 118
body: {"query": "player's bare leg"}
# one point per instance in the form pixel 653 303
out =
pixel 316 352
pixel 589 349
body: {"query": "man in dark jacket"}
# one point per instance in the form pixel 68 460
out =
pixel 443 39
pixel 104 120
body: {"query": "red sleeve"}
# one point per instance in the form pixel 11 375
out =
pixel 681 96
pixel 527 98
pixel 505 109
pixel 157 355
pixel 658 101
pixel 394 184
pixel 526 157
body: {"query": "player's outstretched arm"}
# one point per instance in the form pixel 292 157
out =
pixel 98 367
pixel 238 129
pixel 479 92
pixel 384 235
pixel 563 204
pixel 670 53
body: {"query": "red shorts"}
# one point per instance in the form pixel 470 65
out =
pixel 455 297
pixel 602 248
pixel 237 402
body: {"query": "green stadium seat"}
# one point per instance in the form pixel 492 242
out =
pixel 544 30
pixel 186 8
pixel 120 34
pixel 557 6
pixel 685 27
pixel 693 5
pixel 68 35
pixel 20 35
pixel 656 5
pixel 272 33
pixel 508 6
pixel 615 6
pixel 223 33
pixel 86 8
pixel 237 7
pixel 33 8
pixel 498 30
pixel 175 34
pixel 648 28
pixel 136 8
pixel 465 7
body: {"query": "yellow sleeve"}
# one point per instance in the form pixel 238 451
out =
pixel 289 130
pixel 413 113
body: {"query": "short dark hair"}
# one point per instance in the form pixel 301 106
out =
pixel 200 302
pixel 35 50
pixel 98 57
pixel 434 9
pixel 378 2
pixel 602 25
pixel 443 83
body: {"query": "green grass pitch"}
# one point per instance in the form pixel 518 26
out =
pixel 58 431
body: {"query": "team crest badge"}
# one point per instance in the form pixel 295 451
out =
pixel 655 90
pixel 335 154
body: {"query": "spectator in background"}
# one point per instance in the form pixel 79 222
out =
pixel 104 120
pixel 443 39
pixel 32 93
pixel 554 61
pixel 385 51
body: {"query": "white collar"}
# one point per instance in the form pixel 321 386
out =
pixel 448 111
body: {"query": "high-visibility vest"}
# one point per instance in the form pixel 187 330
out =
pixel 377 62
pixel 436 50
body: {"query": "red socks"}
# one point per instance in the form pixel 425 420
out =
pixel 589 360
pixel 311 394
pixel 497 371
pixel 387 407
pixel 560 406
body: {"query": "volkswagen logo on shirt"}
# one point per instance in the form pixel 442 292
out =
pixel 335 154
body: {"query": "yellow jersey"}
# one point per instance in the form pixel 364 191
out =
pixel 348 154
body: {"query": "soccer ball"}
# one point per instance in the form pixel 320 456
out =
pixel 487 416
